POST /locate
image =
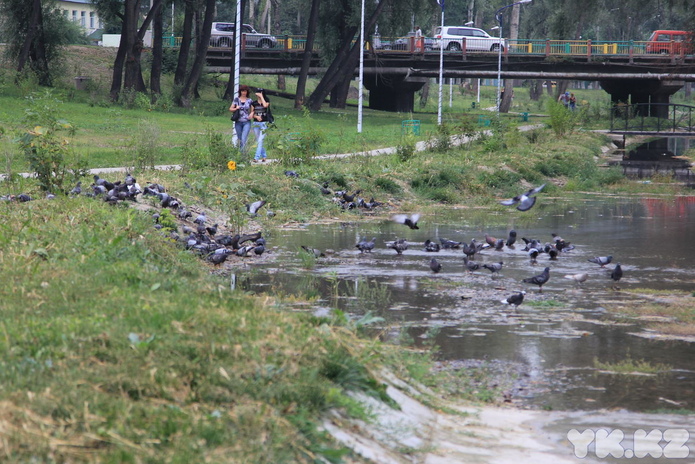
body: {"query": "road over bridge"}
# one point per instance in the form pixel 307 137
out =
pixel 625 70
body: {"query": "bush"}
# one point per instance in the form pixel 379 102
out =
pixel 562 120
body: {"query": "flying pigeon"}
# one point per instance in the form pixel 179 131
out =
pixel 579 278
pixel 435 265
pixel 410 221
pixel 602 260
pixel 539 279
pixel 525 200
pixel 515 300
pixel 254 207
pixel 366 245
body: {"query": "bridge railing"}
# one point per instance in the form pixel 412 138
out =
pixel 653 117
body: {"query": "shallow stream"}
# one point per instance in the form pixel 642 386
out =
pixel 552 342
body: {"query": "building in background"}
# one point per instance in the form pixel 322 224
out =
pixel 83 12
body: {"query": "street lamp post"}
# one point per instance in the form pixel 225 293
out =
pixel 360 97
pixel 498 16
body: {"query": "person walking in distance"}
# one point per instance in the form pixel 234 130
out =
pixel 242 125
pixel 418 39
pixel 260 123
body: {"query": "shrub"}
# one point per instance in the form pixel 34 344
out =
pixel 388 185
pixel 405 151
pixel 562 120
pixel 47 151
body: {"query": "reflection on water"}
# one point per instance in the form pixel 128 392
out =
pixel 555 336
pixel 659 156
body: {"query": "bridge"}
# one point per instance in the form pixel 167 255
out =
pixel 626 70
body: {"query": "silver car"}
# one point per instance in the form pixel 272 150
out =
pixel 451 38
pixel 223 36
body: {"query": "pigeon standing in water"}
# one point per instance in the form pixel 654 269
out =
pixel 470 265
pixel 511 240
pixel 515 300
pixel 366 246
pixel 525 201
pixel 579 278
pixel 617 273
pixel 399 245
pixel 602 260
pixel 410 221
pixel 539 279
pixel 494 267
pixel 435 265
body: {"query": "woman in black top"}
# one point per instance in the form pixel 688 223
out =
pixel 260 123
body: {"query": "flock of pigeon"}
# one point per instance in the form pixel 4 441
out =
pixel 196 234
pixel 533 247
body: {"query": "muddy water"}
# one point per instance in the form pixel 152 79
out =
pixel 551 343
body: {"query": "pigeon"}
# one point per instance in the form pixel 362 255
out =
pixel 450 244
pixel 366 245
pixel 511 240
pixel 129 179
pixel 499 244
pixel 492 241
pixel 200 219
pixel 617 273
pixel 579 278
pixel 103 182
pixel 253 208
pixel 602 260
pixel 325 190
pixel 435 265
pixel 470 265
pixel 525 201
pixel 350 198
pixel 472 249
pixel 410 221
pixel 291 174
pixel 77 189
pixel 539 279
pixel 212 230
pixel 431 246
pixel 314 251
pixel 515 300
pixel 533 254
pixel 399 245
pixel 219 258
pixel 494 267
pixel 259 249
pixel 23 198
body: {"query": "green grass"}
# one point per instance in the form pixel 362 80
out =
pixel 631 366
pixel 118 343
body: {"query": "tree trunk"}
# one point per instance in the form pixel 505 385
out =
pixel 191 84
pixel 344 62
pixel 425 93
pixel 536 89
pixel 32 31
pixel 118 65
pixel 282 82
pixel 340 93
pixel 507 96
pixel 157 51
pixel 308 53
pixel 184 50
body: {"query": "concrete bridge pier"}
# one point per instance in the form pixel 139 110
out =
pixel 648 91
pixel 393 92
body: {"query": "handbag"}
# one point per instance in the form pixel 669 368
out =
pixel 236 115
pixel 269 115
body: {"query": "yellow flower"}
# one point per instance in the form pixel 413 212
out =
pixel 231 166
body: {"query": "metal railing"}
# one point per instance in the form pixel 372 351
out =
pixel 649 117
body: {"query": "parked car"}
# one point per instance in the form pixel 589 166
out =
pixel 451 38
pixel 223 36
pixel 670 42
pixel 404 43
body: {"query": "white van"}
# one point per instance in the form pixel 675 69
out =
pixel 451 38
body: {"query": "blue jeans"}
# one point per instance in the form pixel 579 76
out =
pixel 259 131
pixel 242 133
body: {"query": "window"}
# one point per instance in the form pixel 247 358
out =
pixel 83 21
pixel 91 20
pixel 74 15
